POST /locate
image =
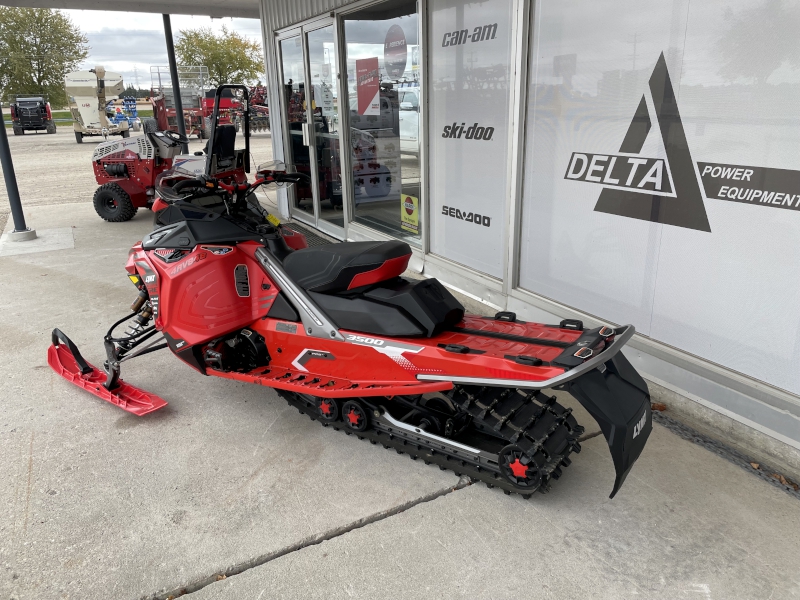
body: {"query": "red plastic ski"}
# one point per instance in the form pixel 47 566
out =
pixel 61 356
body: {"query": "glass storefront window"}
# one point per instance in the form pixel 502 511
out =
pixel 383 75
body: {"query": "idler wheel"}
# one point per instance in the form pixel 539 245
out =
pixel 519 468
pixel 328 409
pixel 354 416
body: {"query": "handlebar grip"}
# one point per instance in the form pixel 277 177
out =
pixel 187 183
pixel 291 177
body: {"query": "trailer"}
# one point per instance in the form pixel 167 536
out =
pixel 88 92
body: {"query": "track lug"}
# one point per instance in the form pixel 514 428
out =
pixel 489 485
pixel 373 442
pixel 556 474
pixel 399 451
pixel 565 462
pixel 526 496
pixel 576 447
pixel 441 468
pixel 506 492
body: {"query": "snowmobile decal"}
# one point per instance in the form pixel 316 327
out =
pixel 308 354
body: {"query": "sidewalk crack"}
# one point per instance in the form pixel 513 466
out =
pixel 313 540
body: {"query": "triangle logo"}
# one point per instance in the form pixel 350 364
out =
pixel 648 189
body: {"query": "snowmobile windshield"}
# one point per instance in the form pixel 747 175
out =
pixel 166 182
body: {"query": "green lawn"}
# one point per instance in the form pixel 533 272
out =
pixel 65 114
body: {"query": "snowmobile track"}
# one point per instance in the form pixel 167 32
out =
pixel 527 435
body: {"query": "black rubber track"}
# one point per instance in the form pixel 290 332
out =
pixel 458 465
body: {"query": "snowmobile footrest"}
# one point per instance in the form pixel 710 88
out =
pixel 65 359
pixel 330 387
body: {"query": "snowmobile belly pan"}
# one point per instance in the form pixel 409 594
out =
pixel 65 359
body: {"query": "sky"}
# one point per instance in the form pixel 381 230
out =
pixel 130 43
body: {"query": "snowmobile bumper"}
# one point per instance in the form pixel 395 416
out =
pixel 609 388
pixel 65 359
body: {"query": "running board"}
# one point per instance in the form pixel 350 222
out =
pixel 65 359
pixel 325 386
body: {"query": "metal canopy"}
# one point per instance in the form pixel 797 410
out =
pixel 247 9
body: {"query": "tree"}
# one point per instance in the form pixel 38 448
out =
pixel 230 58
pixel 770 27
pixel 38 46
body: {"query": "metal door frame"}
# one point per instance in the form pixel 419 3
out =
pixel 322 224
pixel 312 219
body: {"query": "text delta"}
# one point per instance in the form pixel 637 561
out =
pixel 633 173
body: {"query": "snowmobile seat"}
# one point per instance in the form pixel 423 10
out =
pixel 335 268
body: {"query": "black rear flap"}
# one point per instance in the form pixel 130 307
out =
pixel 619 401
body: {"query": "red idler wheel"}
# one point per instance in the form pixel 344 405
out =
pixel 354 416
pixel 519 468
pixel 328 409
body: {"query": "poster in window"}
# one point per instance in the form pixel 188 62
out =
pixel 368 86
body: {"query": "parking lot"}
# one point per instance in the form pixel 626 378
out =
pixel 229 493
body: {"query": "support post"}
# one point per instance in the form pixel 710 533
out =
pixel 176 83
pixel 21 231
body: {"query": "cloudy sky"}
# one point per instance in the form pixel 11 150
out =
pixel 130 43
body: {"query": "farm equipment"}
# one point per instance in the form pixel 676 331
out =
pixel 127 112
pixel 344 338
pixel 88 92
pixel 197 101
pixel 31 114
pixel 259 110
pixel 128 170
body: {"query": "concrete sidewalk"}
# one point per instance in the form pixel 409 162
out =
pixel 97 503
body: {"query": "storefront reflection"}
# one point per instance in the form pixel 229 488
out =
pixel 383 74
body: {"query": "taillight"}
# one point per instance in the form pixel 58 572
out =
pixel 49 114
pixel 13 112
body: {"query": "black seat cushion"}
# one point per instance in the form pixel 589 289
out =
pixel 338 267
pixel 225 142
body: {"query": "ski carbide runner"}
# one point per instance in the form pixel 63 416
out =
pixel 536 424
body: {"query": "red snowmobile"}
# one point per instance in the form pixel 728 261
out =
pixel 342 336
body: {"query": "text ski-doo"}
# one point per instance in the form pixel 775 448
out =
pixel 343 337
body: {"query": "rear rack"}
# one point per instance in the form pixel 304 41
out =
pixel 621 337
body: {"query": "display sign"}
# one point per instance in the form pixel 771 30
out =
pixel 395 52
pixel 368 86
pixel 470 63
pixel 325 96
pixel 646 184
pixel 409 213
